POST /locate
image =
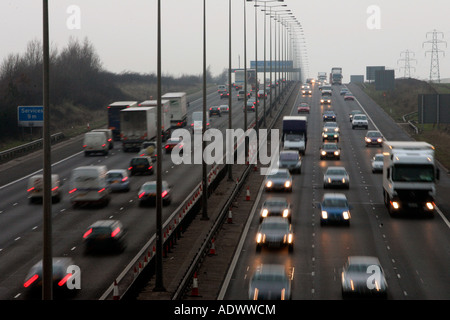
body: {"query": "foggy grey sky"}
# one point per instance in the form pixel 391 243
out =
pixel 336 33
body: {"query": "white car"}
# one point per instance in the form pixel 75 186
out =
pixel 377 163
pixel 360 121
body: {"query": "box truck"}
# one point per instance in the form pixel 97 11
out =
pixel 138 124
pixel 409 176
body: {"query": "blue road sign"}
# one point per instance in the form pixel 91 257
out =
pixel 30 116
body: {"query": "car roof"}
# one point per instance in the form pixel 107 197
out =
pixel 104 223
pixel 329 195
pixel 335 168
pixel 363 260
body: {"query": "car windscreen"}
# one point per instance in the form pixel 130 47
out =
pixel 289 156
pixel 340 203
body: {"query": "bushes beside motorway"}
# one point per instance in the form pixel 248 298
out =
pixel 80 89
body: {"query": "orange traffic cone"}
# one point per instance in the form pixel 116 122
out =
pixel 116 295
pixel 194 292
pixel 212 250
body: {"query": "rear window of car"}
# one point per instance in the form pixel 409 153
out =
pixel 139 161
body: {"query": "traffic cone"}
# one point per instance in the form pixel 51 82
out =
pixel 194 292
pixel 212 250
pixel 247 197
pixel 230 216
pixel 116 295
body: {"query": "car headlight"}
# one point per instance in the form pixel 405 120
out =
pixel 269 184
pixel 336 153
pixel 395 204
pixel 259 237
pixel 264 213
pixel 379 140
pixel 343 180
pixel 324 215
pixel 346 215
pixel 325 130
pixel 323 153
pixel 335 135
pixel 336 129
pixel 290 238
pixel 367 140
pixel 429 205
pixel 285 213
pixel 287 184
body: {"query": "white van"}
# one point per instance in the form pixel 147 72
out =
pixel 88 185
pixel 109 136
pixel 35 188
pixel 221 88
pixel 95 142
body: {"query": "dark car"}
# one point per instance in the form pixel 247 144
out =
pixel 104 236
pixel 330 151
pixel 363 276
pixel 352 113
pixel 215 111
pixel 334 208
pixel 172 143
pixel 224 95
pixel 325 99
pixel 270 282
pixel 147 193
pixel 60 267
pixel 275 232
pixel 143 165
pixel 290 159
pixel 373 138
pixel 275 206
pixel 118 180
pixel 251 104
pixel 329 115
pixel 349 96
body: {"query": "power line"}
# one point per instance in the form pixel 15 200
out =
pixel 435 41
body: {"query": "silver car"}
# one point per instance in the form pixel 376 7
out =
pixel 276 206
pixel 336 177
pixel 290 159
pixel 270 282
pixel 377 163
pixel 279 179
pixel 363 275
pixel 275 232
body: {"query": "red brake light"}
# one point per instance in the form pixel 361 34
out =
pixel 124 179
pixel 55 188
pixel 31 189
pixel 85 146
pixel 115 232
pixel 101 190
pixel 164 193
pixel 141 194
pixel 30 281
pixel 130 168
pixel 64 280
pixel 150 167
pixel 167 147
pixel 73 190
pixel 87 233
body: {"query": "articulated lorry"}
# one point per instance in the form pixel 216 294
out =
pixel 409 177
pixel 114 116
pixel 178 108
pixel 295 133
pixel 336 75
pixel 138 124
pixel 165 116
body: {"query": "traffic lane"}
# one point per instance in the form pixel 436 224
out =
pixel 106 215
pixel 68 229
pixel 416 247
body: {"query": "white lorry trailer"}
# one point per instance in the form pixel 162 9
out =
pixel 165 116
pixel 137 124
pixel 178 108
pixel 409 177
